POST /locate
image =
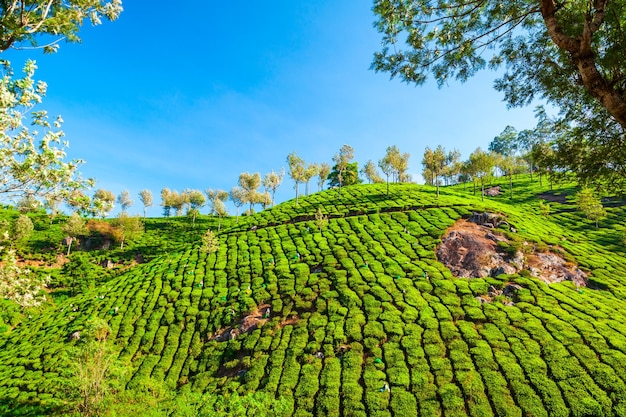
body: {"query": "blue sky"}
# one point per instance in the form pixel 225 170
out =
pixel 191 96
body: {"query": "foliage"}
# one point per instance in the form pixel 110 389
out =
pixel 296 170
pixel 19 284
pixel 52 21
pixel 74 227
pixel 124 200
pixel 103 202
pixel 210 242
pixel 130 227
pixel 272 180
pixel 145 196
pixel 590 205
pixel 32 162
pixel 350 175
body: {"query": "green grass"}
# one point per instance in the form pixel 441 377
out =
pixel 351 311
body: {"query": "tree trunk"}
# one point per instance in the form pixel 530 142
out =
pixel 584 57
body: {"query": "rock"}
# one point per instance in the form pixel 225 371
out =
pixel 510 290
pixel 74 336
pixel 484 219
pixel 503 269
pixel 493 191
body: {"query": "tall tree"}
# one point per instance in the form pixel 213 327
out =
pixel 310 171
pixel 238 197
pixel 145 196
pixel 124 200
pixel 166 201
pixel 272 180
pixel 435 161
pixel 196 200
pixel 482 164
pixel 506 142
pixel 216 200
pixel 73 228
pixel 342 160
pixel 370 172
pixel 250 184
pixel 296 170
pixel 568 53
pixel 322 175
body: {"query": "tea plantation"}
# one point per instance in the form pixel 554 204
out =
pixel 356 319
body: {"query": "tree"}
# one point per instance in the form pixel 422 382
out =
pixel 250 184
pixel 342 160
pixel 237 196
pixel 508 164
pixel 124 200
pixel 73 228
pixel 590 205
pixel 80 203
pixel 20 285
pixel 505 143
pixel 22 228
pixel 435 161
pixel 321 219
pixel 481 166
pixel 32 163
pixel 568 53
pixel 210 242
pixel 386 165
pixel 296 170
pixel 310 171
pixel 103 202
pixel 322 175
pixel 166 201
pixel 370 172
pixel 218 208
pixel 563 53
pixel 272 180
pixel 130 226
pixel 145 196
pixel 350 175
pixel 196 200
pixel 26 22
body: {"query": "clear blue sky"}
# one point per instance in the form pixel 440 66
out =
pixel 190 95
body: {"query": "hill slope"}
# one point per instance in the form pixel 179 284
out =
pixel 358 319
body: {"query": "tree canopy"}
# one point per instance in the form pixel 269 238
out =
pixel 31 22
pixel 570 54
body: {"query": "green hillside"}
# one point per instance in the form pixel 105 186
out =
pixel 323 322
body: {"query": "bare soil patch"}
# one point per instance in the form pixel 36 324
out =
pixel 472 250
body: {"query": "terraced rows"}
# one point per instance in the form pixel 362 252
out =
pixel 364 321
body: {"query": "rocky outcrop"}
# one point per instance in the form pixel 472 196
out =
pixel 472 249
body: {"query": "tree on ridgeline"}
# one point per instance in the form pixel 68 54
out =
pixel 166 201
pixel 124 200
pixel 481 166
pixel 217 198
pixel 196 200
pixel 145 196
pixel 322 175
pixel 370 172
pixel 250 184
pixel 435 161
pixel 386 166
pixel 272 180
pixel 591 205
pixel 310 171
pixel 296 170
pixel 350 175
pixel 238 197
pixel 342 162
